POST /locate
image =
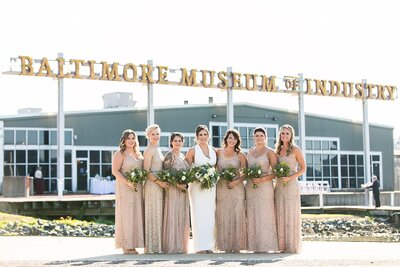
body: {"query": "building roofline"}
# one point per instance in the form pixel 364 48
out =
pixel 122 109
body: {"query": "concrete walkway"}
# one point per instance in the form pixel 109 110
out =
pixel 73 251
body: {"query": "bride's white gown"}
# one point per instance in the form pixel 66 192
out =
pixel 202 206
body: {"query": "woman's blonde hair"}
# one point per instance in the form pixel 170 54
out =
pixel 151 128
pixel 279 143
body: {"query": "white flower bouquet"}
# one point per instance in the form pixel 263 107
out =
pixel 282 169
pixel 136 176
pixel 228 173
pixel 253 173
pixel 206 175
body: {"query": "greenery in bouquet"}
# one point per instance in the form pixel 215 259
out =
pixel 253 173
pixel 136 176
pixel 166 176
pixel 228 173
pixel 206 175
pixel 282 169
pixel 182 176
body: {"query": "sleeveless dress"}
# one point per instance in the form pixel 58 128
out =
pixel 129 210
pixel 153 206
pixel 176 227
pixel 202 206
pixel 261 221
pixel 288 210
pixel 231 212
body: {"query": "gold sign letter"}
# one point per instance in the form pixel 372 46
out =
pixel 147 71
pixel 360 89
pixel 268 84
pixel 335 88
pixel 204 79
pixel 251 85
pixel 162 74
pixel 76 62
pixel 45 66
pixel 188 80
pixel 223 77
pixel 91 65
pixel 391 90
pixel 26 65
pixel 320 87
pixel 236 80
pixel 113 76
pixel 134 70
pixel 61 74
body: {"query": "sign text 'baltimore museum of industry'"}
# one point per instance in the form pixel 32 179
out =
pixel 146 73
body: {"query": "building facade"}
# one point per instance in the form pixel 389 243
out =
pixel 334 147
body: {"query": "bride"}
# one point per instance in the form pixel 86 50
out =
pixel 202 201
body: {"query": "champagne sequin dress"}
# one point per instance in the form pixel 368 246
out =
pixel 231 210
pixel 288 210
pixel 129 210
pixel 261 221
pixel 153 205
pixel 176 227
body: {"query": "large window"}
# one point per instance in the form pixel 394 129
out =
pixel 22 162
pixel 100 163
pixel 16 136
pixel 22 154
pixel 321 144
pixel 164 141
pixel 9 137
pixel 322 160
pixel 323 167
pixel 218 131
pixel 342 169
pixel 352 170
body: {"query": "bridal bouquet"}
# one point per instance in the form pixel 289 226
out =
pixel 282 169
pixel 228 173
pixel 206 175
pixel 136 175
pixel 252 173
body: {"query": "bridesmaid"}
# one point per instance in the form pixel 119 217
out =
pixel 153 191
pixel 231 213
pixel 128 203
pixel 261 223
pixel 287 198
pixel 202 202
pixel 176 226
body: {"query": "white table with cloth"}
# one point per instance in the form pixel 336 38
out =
pixel 102 187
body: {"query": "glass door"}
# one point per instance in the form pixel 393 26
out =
pixel 82 175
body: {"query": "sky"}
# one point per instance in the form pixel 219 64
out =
pixel 332 40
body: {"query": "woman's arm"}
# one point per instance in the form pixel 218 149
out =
pixel 117 161
pixel 190 156
pixel 273 160
pixel 148 156
pixel 243 164
pixel 168 161
pixel 302 164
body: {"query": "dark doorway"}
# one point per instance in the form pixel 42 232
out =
pixel 82 175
